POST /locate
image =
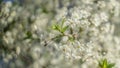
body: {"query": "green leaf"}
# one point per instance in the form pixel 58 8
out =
pixel 28 35
pixel 71 38
pixel 111 65
pixel 62 22
pixel 64 29
pixel 56 27
pixel 57 38
pixel 105 64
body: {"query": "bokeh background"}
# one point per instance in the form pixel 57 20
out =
pixel 29 38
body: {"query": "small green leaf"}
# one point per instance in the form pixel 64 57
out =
pixel 71 38
pixel 105 64
pixel 57 38
pixel 28 35
pixel 53 27
pixel 62 22
pixel 111 65
pixel 65 28
pixel 56 27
